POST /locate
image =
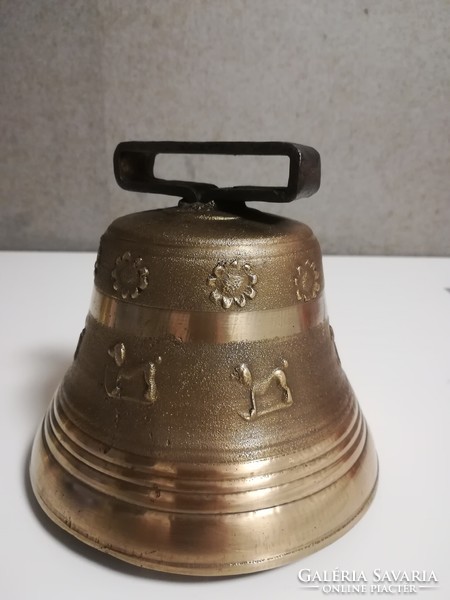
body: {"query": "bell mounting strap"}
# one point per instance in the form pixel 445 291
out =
pixel 134 170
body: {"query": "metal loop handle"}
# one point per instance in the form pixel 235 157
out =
pixel 134 170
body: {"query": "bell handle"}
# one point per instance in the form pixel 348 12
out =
pixel 134 170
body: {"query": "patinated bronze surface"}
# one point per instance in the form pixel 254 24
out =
pixel 206 426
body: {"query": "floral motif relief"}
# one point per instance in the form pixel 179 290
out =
pixel 97 260
pixel 129 276
pixel 232 283
pixel 307 281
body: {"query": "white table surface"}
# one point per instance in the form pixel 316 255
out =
pixel 391 318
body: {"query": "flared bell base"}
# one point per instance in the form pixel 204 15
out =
pixel 264 513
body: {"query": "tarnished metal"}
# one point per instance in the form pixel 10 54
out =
pixel 134 169
pixel 206 426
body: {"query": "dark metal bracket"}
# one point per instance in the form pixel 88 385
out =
pixel 134 170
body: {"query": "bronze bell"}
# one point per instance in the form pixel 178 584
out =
pixel 206 426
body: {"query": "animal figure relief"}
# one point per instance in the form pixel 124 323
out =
pixel 80 339
pixel 130 382
pixel 334 344
pixel 259 391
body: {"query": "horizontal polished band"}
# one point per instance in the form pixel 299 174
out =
pixel 207 327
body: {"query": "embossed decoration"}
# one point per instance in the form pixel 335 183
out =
pixel 80 339
pixel 97 260
pixel 129 276
pixel 334 344
pixel 267 395
pixel 307 281
pixel 131 382
pixel 232 283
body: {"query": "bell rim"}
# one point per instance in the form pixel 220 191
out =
pixel 244 568
pixel 368 466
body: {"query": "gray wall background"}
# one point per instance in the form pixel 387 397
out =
pixel 365 82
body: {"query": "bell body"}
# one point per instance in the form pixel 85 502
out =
pixel 206 426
